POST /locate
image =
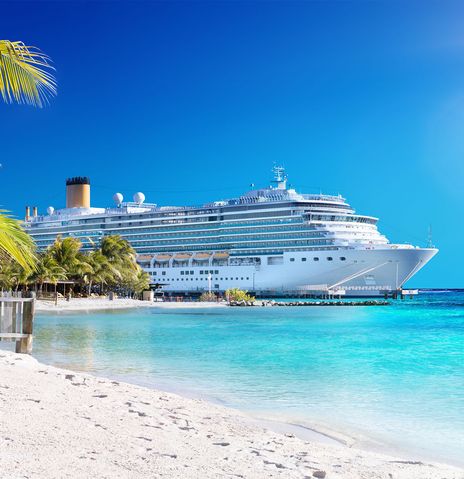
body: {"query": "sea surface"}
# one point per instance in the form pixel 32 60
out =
pixel 390 375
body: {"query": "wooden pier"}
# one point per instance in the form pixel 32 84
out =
pixel 16 322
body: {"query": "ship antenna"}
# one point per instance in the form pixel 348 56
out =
pixel 280 178
pixel 429 238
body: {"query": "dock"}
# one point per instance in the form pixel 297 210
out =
pixel 16 322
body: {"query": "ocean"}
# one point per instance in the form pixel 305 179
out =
pixel 390 376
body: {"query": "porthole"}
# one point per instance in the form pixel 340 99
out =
pixel 329 258
pixel 316 259
pixel 342 258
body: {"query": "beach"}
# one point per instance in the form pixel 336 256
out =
pixel 59 423
pixel 100 304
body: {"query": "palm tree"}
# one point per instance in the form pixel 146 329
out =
pixel 24 78
pixel 24 74
pixel 118 251
pixel 15 243
pixel 48 271
pixel 103 272
pixel 138 282
pixel 121 256
pixel 66 253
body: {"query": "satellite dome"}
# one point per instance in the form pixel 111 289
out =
pixel 117 198
pixel 50 210
pixel 139 198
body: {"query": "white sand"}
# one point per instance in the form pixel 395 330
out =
pixel 95 304
pixel 56 424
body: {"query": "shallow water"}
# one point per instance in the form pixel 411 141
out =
pixel 395 373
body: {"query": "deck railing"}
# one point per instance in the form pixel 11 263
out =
pixel 16 321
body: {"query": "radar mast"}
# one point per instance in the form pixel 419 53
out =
pixel 280 178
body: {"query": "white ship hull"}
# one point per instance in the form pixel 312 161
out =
pixel 363 272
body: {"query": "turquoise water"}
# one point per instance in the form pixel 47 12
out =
pixel 394 374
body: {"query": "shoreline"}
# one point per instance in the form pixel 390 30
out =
pixel 102 304
pixel 304 429
pixel 61 422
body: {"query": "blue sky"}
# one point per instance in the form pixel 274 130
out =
pixel 193 101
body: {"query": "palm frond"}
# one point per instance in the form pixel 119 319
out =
pixel 24 77
pixel 15 243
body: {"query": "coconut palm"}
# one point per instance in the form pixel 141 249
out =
pixel 25 74
pixel 103 272
pixel 138 282
pixel 48 271
pixel 24 78
pixel 118 251
pixel 121 256
pixel 66 252
pixel 15 243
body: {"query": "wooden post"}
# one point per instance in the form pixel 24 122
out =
pixel 24 345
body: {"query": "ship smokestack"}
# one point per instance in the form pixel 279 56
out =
pixel 34 211
pixel 78 192
pixel 28 213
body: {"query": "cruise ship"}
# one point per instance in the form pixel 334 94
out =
pixel 272 240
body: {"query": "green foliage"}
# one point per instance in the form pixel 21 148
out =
pixel 138 282
pixel 48 270
pixel 15 243
pixel 208 297
pixel 112 265
pixel 235 294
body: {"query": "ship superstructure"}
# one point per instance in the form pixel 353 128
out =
pixel 270 240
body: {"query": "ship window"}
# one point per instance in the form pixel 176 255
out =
pixel 292 259
pixel 303 259
pixel 216 272
pixel 163 273
pixel 329 258
pixel 241 279
pixel 248 277
pixel 181 272
pixel 236 279
pixel 316 259
pixel 191 272
pixel 342 258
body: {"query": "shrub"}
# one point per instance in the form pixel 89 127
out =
pixel 235 294
pixel 205 297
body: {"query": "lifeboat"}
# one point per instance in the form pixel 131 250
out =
pixel 144 257
pixel 163 257
pixel 182 256
pixel 202 256
pixel 221 255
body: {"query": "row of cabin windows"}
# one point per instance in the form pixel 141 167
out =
pixel 205 279
pixel 329 258
pixel 206 271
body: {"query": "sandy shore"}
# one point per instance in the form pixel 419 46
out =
pixel 98 304
pixel 56 423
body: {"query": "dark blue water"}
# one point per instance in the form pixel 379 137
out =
pixel 394 374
